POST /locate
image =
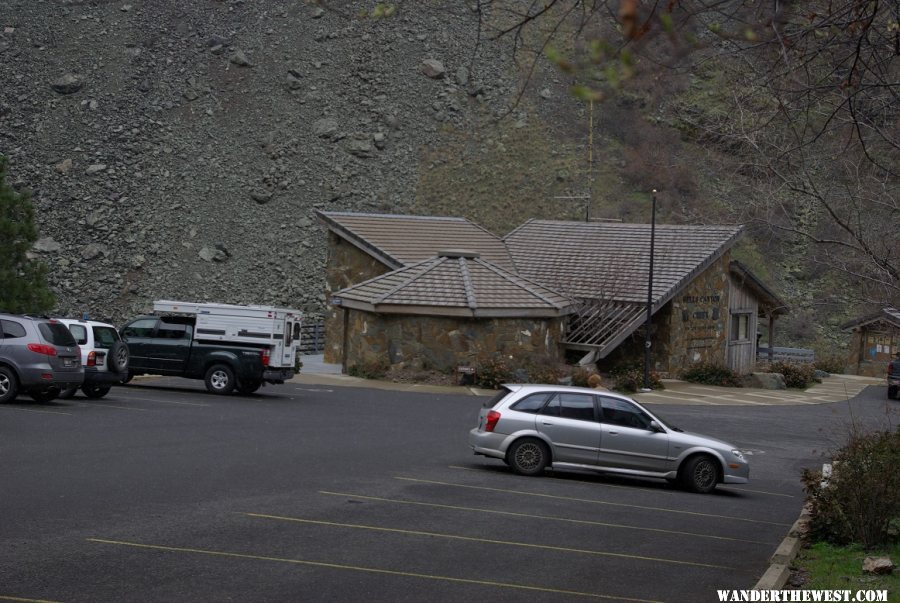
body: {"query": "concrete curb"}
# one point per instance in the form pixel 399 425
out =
pixel 779 569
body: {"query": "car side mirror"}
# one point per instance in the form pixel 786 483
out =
pixel 655 426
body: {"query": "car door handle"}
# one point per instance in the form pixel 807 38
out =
pixel 613 432
pixel 546 423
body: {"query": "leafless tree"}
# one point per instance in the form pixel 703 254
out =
pixel 813 106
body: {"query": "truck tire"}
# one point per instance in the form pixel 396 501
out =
pixel 219 379
pixel 892 391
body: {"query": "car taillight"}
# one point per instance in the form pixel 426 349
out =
pixel 42 348
pixel 92 359
pixel 265 357
pixel 492 417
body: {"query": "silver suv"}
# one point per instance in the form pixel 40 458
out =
pixel 532 427
pixel 103 354
pixel 38 356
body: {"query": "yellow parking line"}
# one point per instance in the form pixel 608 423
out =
pixel 487 541
pixel 165 401
pixel 25 600
pixel 547 517
pixel 591 501
pixel 113 406
pixel 371 570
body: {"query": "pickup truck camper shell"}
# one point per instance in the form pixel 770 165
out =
pixel 228 346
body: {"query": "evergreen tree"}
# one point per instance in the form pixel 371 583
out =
pixel 23 281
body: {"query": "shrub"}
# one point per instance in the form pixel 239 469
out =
pixel 629 377
pixel 712 374
pixel 492 372
pixel 374 369
pixel 830 364
pixel 543 371
pixel 861 501
pixel 795 375
pixel 581 376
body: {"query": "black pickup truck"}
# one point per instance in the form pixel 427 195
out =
pixel 165 345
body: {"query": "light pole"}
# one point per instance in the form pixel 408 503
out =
pixel 647 323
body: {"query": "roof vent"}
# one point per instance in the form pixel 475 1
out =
pixel 458 253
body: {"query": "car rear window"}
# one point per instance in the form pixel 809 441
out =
pixel 105 337
pixel 492 402
pixel 56 333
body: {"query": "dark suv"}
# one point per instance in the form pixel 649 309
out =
pixel 38 356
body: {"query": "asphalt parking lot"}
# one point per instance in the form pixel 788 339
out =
pixel 162 492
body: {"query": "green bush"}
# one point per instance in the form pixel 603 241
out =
pixel 375 369
pixel 712 374
pixel 861 501
pixel 795 375
pixel 492 372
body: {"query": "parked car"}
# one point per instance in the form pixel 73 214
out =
pixel 38 356
pixel 103 354
pixel 532 427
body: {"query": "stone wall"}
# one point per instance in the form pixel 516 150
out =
pixel 345 266
pixel 445 343
pixel 691 328
pixel 696 329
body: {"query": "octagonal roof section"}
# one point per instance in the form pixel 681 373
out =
pixel 398 241
pixel 455 283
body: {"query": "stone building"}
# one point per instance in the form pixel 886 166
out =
pixel 547 289
pixel 875 341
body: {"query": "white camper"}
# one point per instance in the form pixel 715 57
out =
pixel 276 328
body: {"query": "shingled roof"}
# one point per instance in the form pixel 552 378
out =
pixel 454 283
pixel 399 241
pixel 605 264
pixel 610 260
pixel 531 270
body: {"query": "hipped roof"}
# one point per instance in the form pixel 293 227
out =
pixel 398 241
pixel 455 284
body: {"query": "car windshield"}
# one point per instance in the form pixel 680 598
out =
pixel 56 333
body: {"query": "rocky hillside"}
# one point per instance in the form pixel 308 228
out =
pixel 178 149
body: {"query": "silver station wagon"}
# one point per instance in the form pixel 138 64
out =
pixel 532 427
